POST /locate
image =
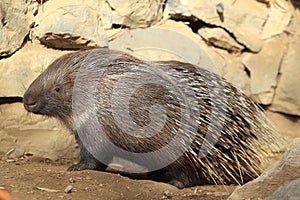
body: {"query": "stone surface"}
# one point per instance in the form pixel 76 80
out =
pixel 244 19
pixel 287 94
pixel 133 13
pixel 169 41
pixel 16 19
pixel 33 134
pixel 280 14
pixel 19 70
pixel 70 24
pixel 290 191
pixel 279 174
pixel 220 38
pixel 288 125
pixel 235 73
pixel 264 69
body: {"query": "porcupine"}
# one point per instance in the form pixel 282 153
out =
pixel 241 132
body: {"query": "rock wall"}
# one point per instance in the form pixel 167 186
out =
pixel 253 44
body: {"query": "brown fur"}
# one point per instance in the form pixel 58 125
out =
pixel 236 157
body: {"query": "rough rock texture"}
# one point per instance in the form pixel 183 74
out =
pixel 287 97
pixel 290 191
pixel 18 71
pixel 235 72
pixel 133 13
pixel 32 134
pixel 264 69
pixel 70 24
pixel 17 17
pixel 279 17
pixel 220 38
pixel 148 44
pixel 287 125
pixel 244 19
pixel 281 173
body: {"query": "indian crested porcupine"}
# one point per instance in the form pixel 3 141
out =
pixel 186 125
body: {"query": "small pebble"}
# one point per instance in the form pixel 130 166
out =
pixel 68 189
pixel 166 195
pixel 220 8
pixel 71 180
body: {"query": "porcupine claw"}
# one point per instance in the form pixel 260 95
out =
pixel 177 183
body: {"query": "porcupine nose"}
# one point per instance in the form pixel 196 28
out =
pixel 30 104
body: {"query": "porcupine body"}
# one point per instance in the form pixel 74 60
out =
pixel 224 135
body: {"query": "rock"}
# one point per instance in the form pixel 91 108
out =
pixel 167 195
pixel 235 73
pixel 169 41
pixel 244 19
pixel 19 70
pixel 72 180
pixel 17 17
pixel 290 191
pixel 287 94
pixel 70 24
pixel 281 173
pixel 133 14
pixel 17 152
pixel 218 37
pixel 178 9
pixel 287 125
pixel 287 98
pixel 280 14
pixel 36 135
pixel 68 189
pixel 264 68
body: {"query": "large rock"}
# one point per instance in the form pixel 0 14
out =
pixel 235 73
pixel 133 13
pixel 287 94
pixel 17 17
pixel 280 14
pixel 70 24
pixel 18 71
pixel 290 191
pixel 264 68
pixel 33 134
pixel 287 125
pixel 244 19
pixel 220 38
pixel 169 41
pixel 281 173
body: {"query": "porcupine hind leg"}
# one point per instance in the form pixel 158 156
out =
pixel 87 160
pixel 167 175
pixel 180 179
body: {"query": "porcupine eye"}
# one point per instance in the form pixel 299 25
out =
pixel 57 89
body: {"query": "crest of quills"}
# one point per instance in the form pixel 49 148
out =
pixel 243 135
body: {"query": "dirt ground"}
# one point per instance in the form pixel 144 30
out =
pixel 27 180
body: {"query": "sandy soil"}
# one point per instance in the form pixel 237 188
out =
pixel 35 180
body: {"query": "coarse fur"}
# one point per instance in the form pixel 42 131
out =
pixel 245 136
